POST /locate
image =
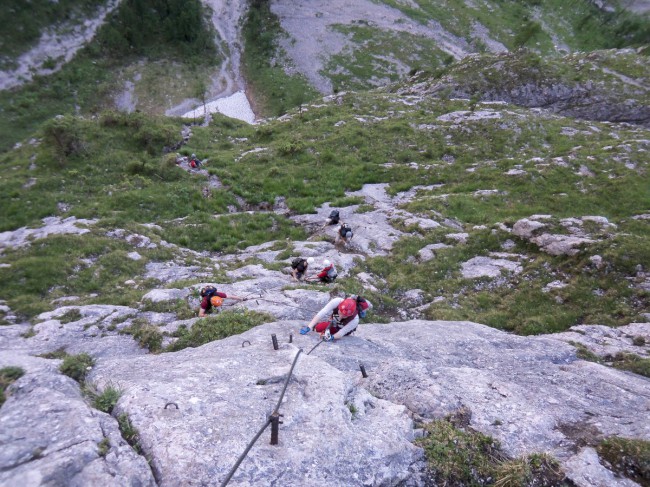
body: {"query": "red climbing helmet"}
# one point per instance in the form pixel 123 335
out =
pixel 347 308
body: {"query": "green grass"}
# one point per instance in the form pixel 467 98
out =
pixel 462 456
pixel 147 335
pixel 274 91
pixel 578 24
pixel 140 29
pixel 112 169
pixel 107 399
pixel 629 458
pixel 8 375
pixel 371 54
pixel 24 22
pixel 77 366
pixel 129 432
pixel 217 327
pixel 103 447
pixel 633 363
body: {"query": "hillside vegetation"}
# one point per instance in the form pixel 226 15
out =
pixel 485 167
pixel 168 46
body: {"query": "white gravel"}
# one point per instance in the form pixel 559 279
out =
pixel 234 106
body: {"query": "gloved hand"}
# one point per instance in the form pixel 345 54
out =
pixel 304 330
pixel 328 337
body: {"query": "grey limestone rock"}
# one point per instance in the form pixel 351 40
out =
pixel 606 341
pixel 488 267
pixel 51 226
pixel 64 449
pixel 161 295
pixel 224 393
pixel 531 393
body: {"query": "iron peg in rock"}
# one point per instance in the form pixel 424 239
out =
pixel 275 427
pixel 363 371
pixel 290 337
pixel 275 341
pixel 171 404
pixel 245 341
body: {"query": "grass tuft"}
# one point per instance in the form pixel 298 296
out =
pixel 77 366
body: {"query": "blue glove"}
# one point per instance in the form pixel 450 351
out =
pixel 304 330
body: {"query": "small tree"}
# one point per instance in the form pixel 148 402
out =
pixel 201 92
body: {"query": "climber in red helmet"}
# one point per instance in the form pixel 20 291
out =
pixel 342 317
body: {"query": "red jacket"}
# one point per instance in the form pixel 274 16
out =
pixel 323 274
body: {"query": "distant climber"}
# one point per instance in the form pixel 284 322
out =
pixel 333 219
pixel 342 318
pixel 195 162
pixel 344 234
pixel 210 298
pixel 326 275
pixel 299 267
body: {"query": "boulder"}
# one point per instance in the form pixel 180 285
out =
pixel 77 445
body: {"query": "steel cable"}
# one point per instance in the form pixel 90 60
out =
pixel 268 421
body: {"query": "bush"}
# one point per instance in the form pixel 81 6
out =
pixel 630 458
pixel 224 324
pixel 153 138
pixel 77 366
pixel 107 400
pixel 147 335
pixel 64 135
pixel 8 375
pixel 290 147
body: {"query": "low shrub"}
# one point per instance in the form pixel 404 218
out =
pixel 77 366
pixel 8 375
pixel 147 335
pixel 222 325
pixel 630 458
pixel 107 400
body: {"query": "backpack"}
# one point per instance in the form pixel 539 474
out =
pixel 362 306
pixel 295 263
pixel 345 231
pixel 193 163
pixel 331 273
pixel 334 217
pixel 208 291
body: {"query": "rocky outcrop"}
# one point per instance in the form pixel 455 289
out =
pixel 580 85
pixel 51 436
pixel 543 231
pixel 531 393
pixel 52 225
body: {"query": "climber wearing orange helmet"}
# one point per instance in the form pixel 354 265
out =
pixel 343 319
pixel 210 297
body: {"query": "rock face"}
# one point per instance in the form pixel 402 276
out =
pixel 52 225
pixel 334 431
pixel 526 80
pixel 77 445
pixel 539 233
pixel 532 394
